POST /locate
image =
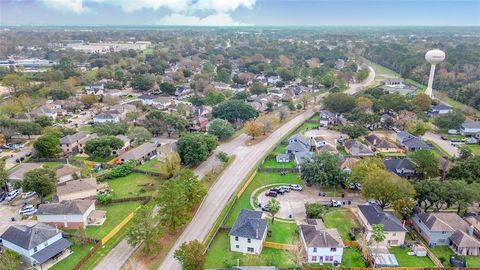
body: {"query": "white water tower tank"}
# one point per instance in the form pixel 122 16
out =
pixel 435 56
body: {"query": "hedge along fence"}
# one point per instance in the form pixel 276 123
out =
pixel 249 178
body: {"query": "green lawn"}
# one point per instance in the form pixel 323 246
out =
pixel 261 179
pixel 405 260
pixel 219 255
pixel 282 232
pixel 445 252
pixel 116 212
pixel 315 118
pixel 342 220
pixel 457 137
pixel 352 258
pixel 475 148
pixel 132 185
pixel 78 253
pixel 306 126
pixel 52 165
pixel 86 129
pixel 272 163
pixel 279 149
pixel 152 165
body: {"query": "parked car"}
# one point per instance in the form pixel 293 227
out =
pixel 12 195
pixel 278 190
pixel 358 186
pixel 3 195
pixel 295 187
pixel 271 193
pixel 264 207
pixel 445 138
pixel 322 194
pixel 20 159
pixel 28 194
pixel 335 203
pixel 27 210
pixel 286 188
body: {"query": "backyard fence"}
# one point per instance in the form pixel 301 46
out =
pixel 278 245
pixel 353 244
pixel 383 268
pixel 246 184
pixel 86 239
pixel 149 173
pixel 92 251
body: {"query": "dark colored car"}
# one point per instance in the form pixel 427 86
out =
pixel 3 195
pixel 278 190
pixel 322 194
pixel 271 194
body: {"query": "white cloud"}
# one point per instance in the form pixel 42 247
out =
pixel 67 5
pixel 219 19
pixel 134 5
pixel 223 5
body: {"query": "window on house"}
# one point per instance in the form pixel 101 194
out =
pixel 314 258
pixel 249 240
pixel 328 258
pixel 236 238
pixel 333 249
pixel 314 250
pixel 444 232
pixel 35 249
pixel 237 246
pixel 250 249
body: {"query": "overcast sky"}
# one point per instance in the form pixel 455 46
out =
pixel 240 12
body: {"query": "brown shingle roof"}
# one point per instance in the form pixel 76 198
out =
pixel 320 238
pixel 75 186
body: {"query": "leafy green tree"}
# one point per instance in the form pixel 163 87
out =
pixel 378 233
pixel 404 207
pixel 103 146
pixel 355 131
pixel 417 127
pixel 193 187
pixel 174 204
pixel 258 88
pixel 315 210
pixel 67 67
pixel 53 76
pixel 214 98
pixel 155 122
pixel 29 128
pixel 142 82
pixel 286 74
pixel 429 193
pixel 47 146
pixel 451 120
pixel 3 175
pixel 386 188
pixel 468 170
pixel 234 110
pixel 241 96
pixel 139 134
pixel 223 75
pixel 15 81
pixel 44 121
pixel 339 102
pixel 59 94
pixel 172 163
pixel 322 170
pixel 42 181
pixel 110 128
pixel 361 75
pixel 220 128
pixel 113 85
pixel 422 101
pixel 191 255
pixel 273 207
pixel 9 260
pixel 145 230
pixel 426 164
pixel 364 168
pixel 175 123
pixel 195 147
pixel 167 88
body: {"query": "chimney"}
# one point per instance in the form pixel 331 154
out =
pixel 470 230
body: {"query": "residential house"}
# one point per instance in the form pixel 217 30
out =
pixel 67 214
pixel 439 109
pixel 327 118
pixel 410 142
pixel 371 214
pixel 248 233
pixel 302 157
pixel 198 124
pixel 139 154
pixel 357 149
pixel 18 172
pixel 298 138
pixel 347 164
pixel 378 144
pixel 67 172
pixel 39 244
pixel 283 158
pixel 470 128
pixel 75 142
pixel 402 167
pixel 106 117
pixel 85 188
pixel 44 110
pixel 95 89
pixel 339 64
pixel 474 220
pixel 126 145
pixel 447 228
pixel 273 79
pixel 296 147
pixel 321 245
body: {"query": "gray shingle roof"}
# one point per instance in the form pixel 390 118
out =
pixel 375 215
pixel 356 148
pixel 320 238
pixel 76 207
pixel 139 152
pixel 398 164
pixel 29 237
pixel 296 147
pixel 471 124
pixel 299 138
pixel 73 138
pixel 51 250
pixel 249 224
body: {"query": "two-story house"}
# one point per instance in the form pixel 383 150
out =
pixel 248 233
pixel 371 214
pixel 39 244
pixel 67 214
pixel 402 167
pixel 321 245
pixel 75 142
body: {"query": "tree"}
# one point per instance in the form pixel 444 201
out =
pixel 42 181
pixel 315 210
pixel 386 188
pixel 322 170
pixel 361 75
pixel 81 235
pixel 364 104
pixel 139 134
pixel 339 102
pixel 426 164
pixel 404 207
pixel 378 233
pixel 403 118
pixel 88 100
pixel 142 82
pixel 422 101
pixel 213 98
pixel 305 99
pixel 44 121
pixel 223 75
pixel 191 255
pixel 102 146
pixel 273 207
pixel 468 170
pixel 145 230
pixel 220 128
pixel 9 260
pixel 29 128
pixel 3 175
pixel 111 100
pixel 253 128
pixel 15 81
pixel 195 147
pixel 258 88
pixel 451 120
pixel 429 193
pixel 59 94
pixel 234 110
pixel 175 123
pixel 47 146
pixel 282 114
pixel 363 168
pixel 155 122
pixel 67 67
pixel 417 127
pixel 194 188
pixel 172 164
pixel 354 131
pixel 167 88
pixel 110 128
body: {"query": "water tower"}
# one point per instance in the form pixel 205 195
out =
pixel 433 57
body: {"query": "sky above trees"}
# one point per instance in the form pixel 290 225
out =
pixel 240 12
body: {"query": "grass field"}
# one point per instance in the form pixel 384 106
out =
pixel 272 163
pixel 282 232
pixel 152 165
pixel 445 252
pixel 352 258
pixel 261 179
pixel 306 126
pixel 405 260
pixel 52 165
pixel 78 253
pixel 279 149
pixel 132 185
pixel 475 148
pixel 342 220
pixel 219 255
pixel 86 129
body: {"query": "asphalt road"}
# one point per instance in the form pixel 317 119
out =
pixel 446 145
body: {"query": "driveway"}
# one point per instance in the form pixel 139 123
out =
pixel 7 212
pixel 446 145
pixel 330 136
pixel 11 162
pixel 356 87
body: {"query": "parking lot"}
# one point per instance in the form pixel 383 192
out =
pixel 7 211
pixel 292 204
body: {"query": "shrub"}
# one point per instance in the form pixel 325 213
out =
pixel 104 198
pixel 223 157
pixel 119 171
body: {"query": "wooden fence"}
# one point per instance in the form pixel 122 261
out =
pixel 92 251
pixel 246 184
pixel 278 245
pixel 353 244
